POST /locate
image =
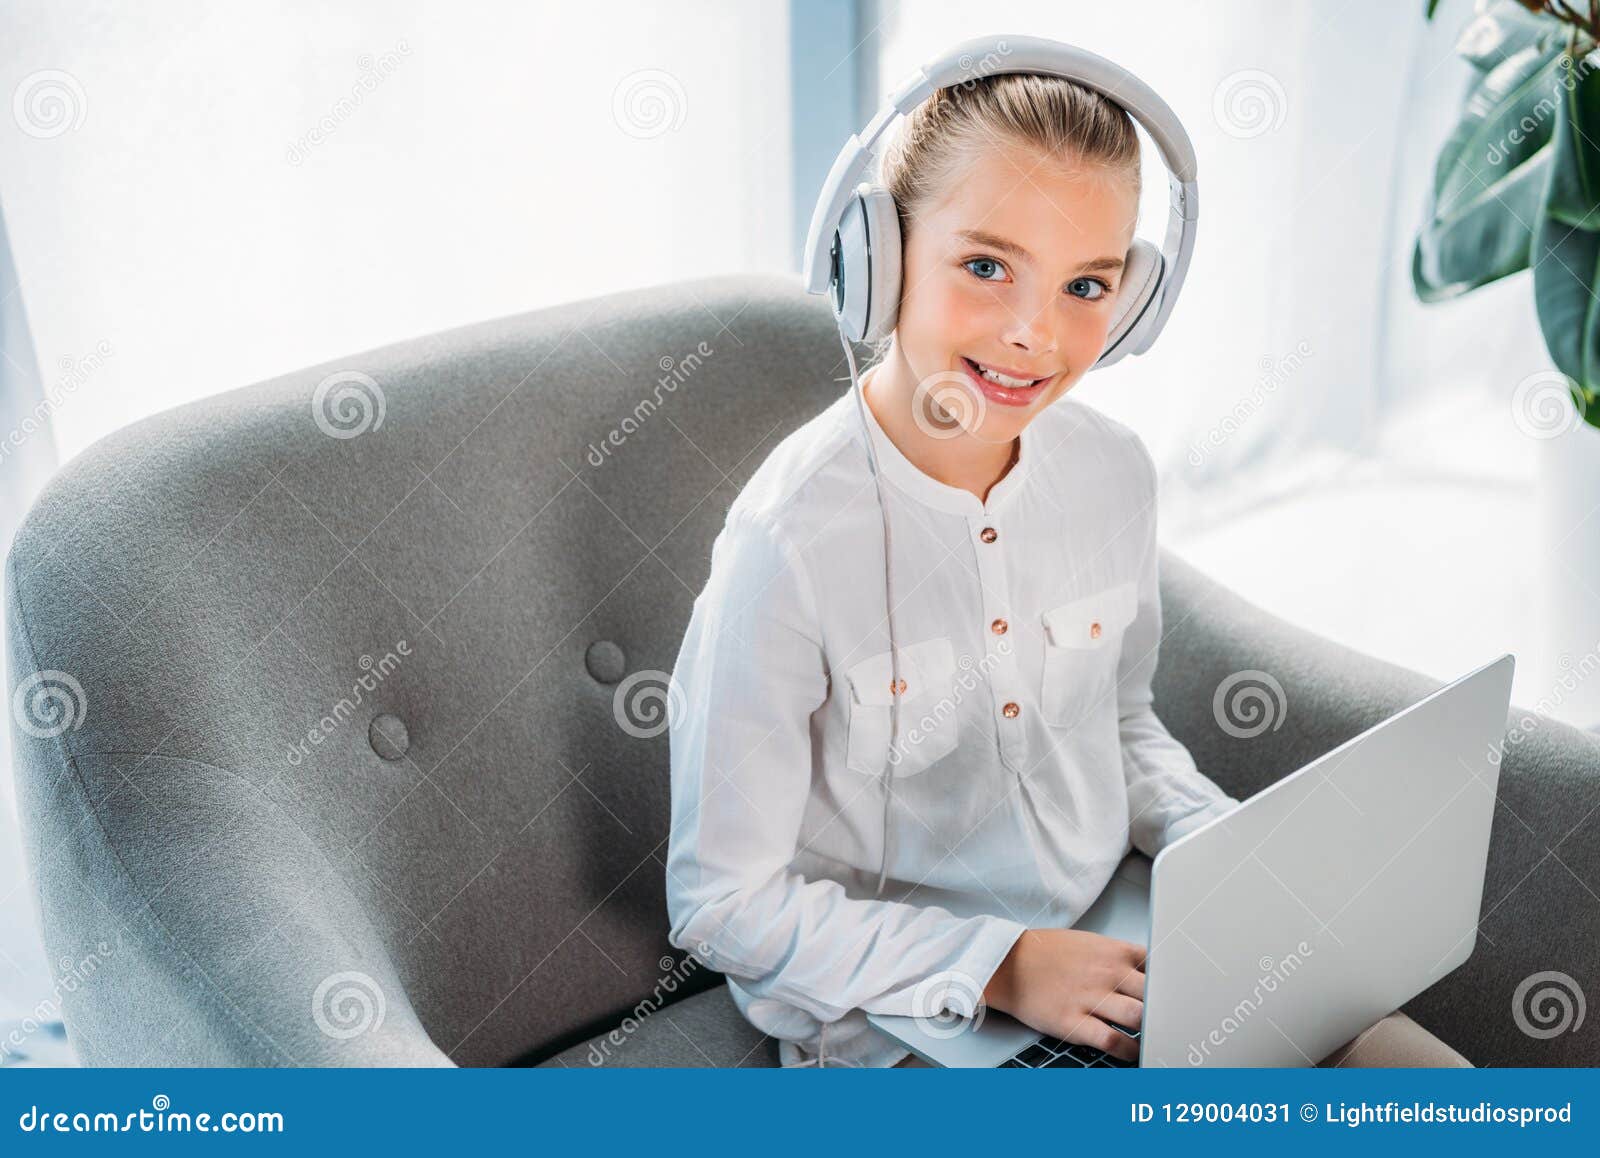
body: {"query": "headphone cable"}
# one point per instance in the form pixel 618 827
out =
pixel 888 607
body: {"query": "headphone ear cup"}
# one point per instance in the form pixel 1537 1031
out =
pixel 1139 289
pixel 851 283
pixel 883 262
pixel 866 277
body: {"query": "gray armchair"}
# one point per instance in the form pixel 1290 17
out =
pixel 319 757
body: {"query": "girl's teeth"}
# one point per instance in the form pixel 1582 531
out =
pixel 1002 380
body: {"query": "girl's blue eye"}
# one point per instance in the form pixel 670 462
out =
pixel 984 263
pixel 1090 281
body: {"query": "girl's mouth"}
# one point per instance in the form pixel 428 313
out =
pixel 1002 391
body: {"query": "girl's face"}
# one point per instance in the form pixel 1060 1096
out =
pixel 1015 271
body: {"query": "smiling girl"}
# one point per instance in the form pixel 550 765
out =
pixel 826 869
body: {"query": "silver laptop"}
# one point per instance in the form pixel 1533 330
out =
pixel 1283 929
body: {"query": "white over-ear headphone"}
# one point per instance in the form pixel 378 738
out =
pixel 853 246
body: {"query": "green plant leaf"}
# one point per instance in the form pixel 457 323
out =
pixel 1485 239
pixel 1574 195
pixel 1501 30
pixel 1490 179
pixel 1507 118
pixel 1566 279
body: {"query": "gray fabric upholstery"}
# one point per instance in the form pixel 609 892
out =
pixel 483 866
pixel 704 1030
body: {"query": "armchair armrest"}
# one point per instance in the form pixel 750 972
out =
pixel 223 937
pixel 1541 903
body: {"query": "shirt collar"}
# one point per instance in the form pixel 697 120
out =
pixel 926 489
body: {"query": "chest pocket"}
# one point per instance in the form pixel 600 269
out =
pixel 1083 644
pixel 928 728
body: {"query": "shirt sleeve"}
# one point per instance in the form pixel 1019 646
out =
pixel 1168 795
pixel 749 674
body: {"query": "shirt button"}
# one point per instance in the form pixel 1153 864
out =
pixel 1094 631
pixel 897 689
pixel 998 627
pixel 989 535
pixel 1011 710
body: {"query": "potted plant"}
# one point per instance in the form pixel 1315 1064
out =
pixel 1517 186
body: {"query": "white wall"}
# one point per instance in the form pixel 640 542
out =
pixel 1315 129
pixel 479 160
pixel 485 173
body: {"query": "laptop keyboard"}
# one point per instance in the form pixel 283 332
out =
pixel 1053 1053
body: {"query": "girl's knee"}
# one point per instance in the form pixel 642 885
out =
pixel 1395 1041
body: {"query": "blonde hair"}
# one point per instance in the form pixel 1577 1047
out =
pixel 1065 121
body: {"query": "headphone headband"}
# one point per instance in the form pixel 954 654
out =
pixel 990 55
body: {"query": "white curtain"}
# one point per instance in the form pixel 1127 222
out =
pixel 241 191
pixel 1329 447
pixel 1298 114
pixel 27 456
pixel 200 197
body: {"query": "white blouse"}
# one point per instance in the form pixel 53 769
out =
pixel 1029 759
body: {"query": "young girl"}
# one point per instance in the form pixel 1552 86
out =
pixel 1028 759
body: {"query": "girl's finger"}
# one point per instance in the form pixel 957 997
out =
pixel 1098 1033
pixel 1122 1009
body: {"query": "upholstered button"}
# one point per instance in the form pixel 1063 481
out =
pixel 1094 631
pixel 1011 710
pixel 989 535
pixel 605 661
pixel 897 689
pixel 388 736
pixel 998 627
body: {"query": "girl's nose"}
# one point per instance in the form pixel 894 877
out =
pixel 1033 334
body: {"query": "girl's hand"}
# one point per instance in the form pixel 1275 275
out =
pixel 1070 983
